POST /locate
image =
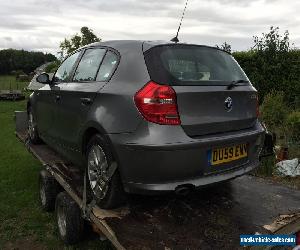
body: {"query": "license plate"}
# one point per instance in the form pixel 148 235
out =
pixel 222 155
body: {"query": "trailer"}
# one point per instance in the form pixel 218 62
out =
pixel 209 218
pixel 12 95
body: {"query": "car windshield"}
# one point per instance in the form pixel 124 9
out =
pixel 192 65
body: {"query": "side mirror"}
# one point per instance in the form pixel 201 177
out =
pixel 43 78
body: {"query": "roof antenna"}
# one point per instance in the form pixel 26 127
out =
pixel 175 39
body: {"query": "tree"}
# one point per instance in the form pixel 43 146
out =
pixel 21 60
pixel 85 37
pixel 272 42
pixel 88 36
pixel 225 46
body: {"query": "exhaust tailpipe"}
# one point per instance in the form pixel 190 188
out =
pixel 184 190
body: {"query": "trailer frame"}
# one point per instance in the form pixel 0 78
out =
pixel 90 211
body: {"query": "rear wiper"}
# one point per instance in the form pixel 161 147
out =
pixel 236 83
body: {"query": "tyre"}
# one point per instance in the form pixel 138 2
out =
pixel 107 191
pixel 49 189
pixel 69 220
pixel 32 128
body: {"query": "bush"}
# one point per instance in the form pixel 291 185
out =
pixel 282 120
pixel 267 167
pixel 293 124
pixel 274 111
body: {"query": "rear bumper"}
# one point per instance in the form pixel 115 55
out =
pixel 201 181
pixel 160 158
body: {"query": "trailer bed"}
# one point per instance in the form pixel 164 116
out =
pixel 209 218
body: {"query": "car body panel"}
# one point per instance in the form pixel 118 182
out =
pixel 45 111
pixel 75 102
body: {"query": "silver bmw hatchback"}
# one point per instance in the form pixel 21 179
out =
pixel 147 117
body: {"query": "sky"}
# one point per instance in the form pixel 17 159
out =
pixel 40 25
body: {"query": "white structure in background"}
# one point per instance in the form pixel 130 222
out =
pixel 34 85
pixel 289 167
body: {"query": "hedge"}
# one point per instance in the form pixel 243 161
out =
pixel 268 72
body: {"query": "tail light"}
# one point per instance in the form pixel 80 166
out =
pixel 157 104
pixel 298 238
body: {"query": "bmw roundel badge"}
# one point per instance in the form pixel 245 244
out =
pixel 228 104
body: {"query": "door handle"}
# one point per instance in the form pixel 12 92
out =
pixel 57 98
pixel 86 101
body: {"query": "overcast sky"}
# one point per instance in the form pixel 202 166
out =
pixel 42 24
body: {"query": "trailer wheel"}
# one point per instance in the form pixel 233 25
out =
pixel 69 220
pixel 108 192
pixel 49 189
pixel 32 128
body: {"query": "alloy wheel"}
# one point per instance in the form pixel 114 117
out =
pixel 97 171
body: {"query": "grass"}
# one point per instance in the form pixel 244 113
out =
pixel 267 167
pixel 23 225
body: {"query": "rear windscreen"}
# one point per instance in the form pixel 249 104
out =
pixel 192 65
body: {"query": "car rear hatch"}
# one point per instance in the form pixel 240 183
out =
pixel 213 93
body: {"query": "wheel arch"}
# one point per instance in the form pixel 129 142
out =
pixel 87 135
pixel 92 129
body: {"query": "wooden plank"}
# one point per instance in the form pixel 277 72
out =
pixel 107 231
pixel 282 222
pixel 117 213
pixel 290 228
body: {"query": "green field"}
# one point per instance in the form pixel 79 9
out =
pixel 23 225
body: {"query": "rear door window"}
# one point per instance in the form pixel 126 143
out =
pixel 89 64
pixel 192 65
pixel 108 66
pixel 64 71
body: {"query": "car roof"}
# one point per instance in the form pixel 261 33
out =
pixel 145 44
pixel 125 43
